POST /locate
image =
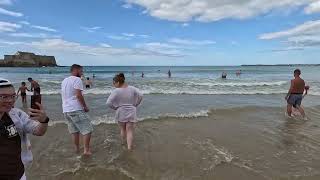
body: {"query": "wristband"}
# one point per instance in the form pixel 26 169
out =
pixel 46 121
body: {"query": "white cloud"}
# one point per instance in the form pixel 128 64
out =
pixel 6 2
pixel 12 43
pixel 127 6
pixel 129 34
pixel 68 47
pixel 301 36
pixel 162 48
pixel 10 13
pixel 91 29
pixel 105 45
pixel 8 27
pixel 116 37
pixel 44 28
pixel 313 8
pixel 33 35
pixel 144 36
pixel 189 42
pixel 307 28
pixel 185 25
pixel 24 22
pixel 213 10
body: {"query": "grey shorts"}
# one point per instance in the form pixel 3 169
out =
pixel 295 100
pixel 78 122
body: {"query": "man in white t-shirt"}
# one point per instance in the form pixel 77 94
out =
pixel 75 108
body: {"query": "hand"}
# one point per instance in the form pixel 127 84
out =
pixel 86 109
pixel 39 115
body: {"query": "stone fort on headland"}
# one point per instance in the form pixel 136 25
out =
pixel 26 59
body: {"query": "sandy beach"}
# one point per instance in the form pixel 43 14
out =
pixel 247 143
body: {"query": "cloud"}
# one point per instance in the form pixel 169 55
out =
pixel 24 22
pixel 12 43
pixel 91 29
pixel 302 36
pixel 116 37
pixel 144 36
pixel 189 42
pixel 129 34
pixel 313 8
pixel 10 13
pixel 105 45
pixel 6 2
pixel 213 10
pixel 68 47
pixel 8 27
pixel 33 35
pixel 162 48
pixel 307 28
pixel 127 6
pixel 44 28
pixel 284 49
pixel 185 24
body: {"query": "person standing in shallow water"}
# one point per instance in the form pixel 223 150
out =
pixel 295 94
pixel 75 109
pixel 125 99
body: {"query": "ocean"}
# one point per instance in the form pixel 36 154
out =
pixel 194 125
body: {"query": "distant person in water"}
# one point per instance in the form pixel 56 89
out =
pixel 93 76
pixel 142 75
pixel 238 73
pixel 35 87
pixel 295 94
pixel 88 83
pixel 224 75
pixel 125 99
pixel 169 73
pixel 23 92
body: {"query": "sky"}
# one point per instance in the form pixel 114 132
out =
pixel 163 32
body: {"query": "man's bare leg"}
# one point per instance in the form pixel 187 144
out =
pixel 289 110
pixel 86 141
pixel 130 130
pixel 76 138
pixel 301 110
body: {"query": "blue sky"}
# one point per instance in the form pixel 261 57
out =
pixel 163 32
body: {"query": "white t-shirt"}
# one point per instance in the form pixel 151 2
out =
pixel 70 102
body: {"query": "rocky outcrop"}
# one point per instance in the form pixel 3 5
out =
pixel 26 59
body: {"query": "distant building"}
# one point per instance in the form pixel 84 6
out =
pixel 26 59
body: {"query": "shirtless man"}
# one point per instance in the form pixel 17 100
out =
pixel 295 94
pixel 35 87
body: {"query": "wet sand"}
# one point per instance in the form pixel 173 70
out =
pixel 243 143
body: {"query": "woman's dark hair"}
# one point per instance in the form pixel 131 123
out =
pixel 23 83
pixel 297 72
pixel 119 78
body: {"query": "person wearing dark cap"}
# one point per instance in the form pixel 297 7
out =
pixel 15 124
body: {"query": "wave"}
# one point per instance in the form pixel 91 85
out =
pixel 239 84
pixel 105 119
pixel 187 92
